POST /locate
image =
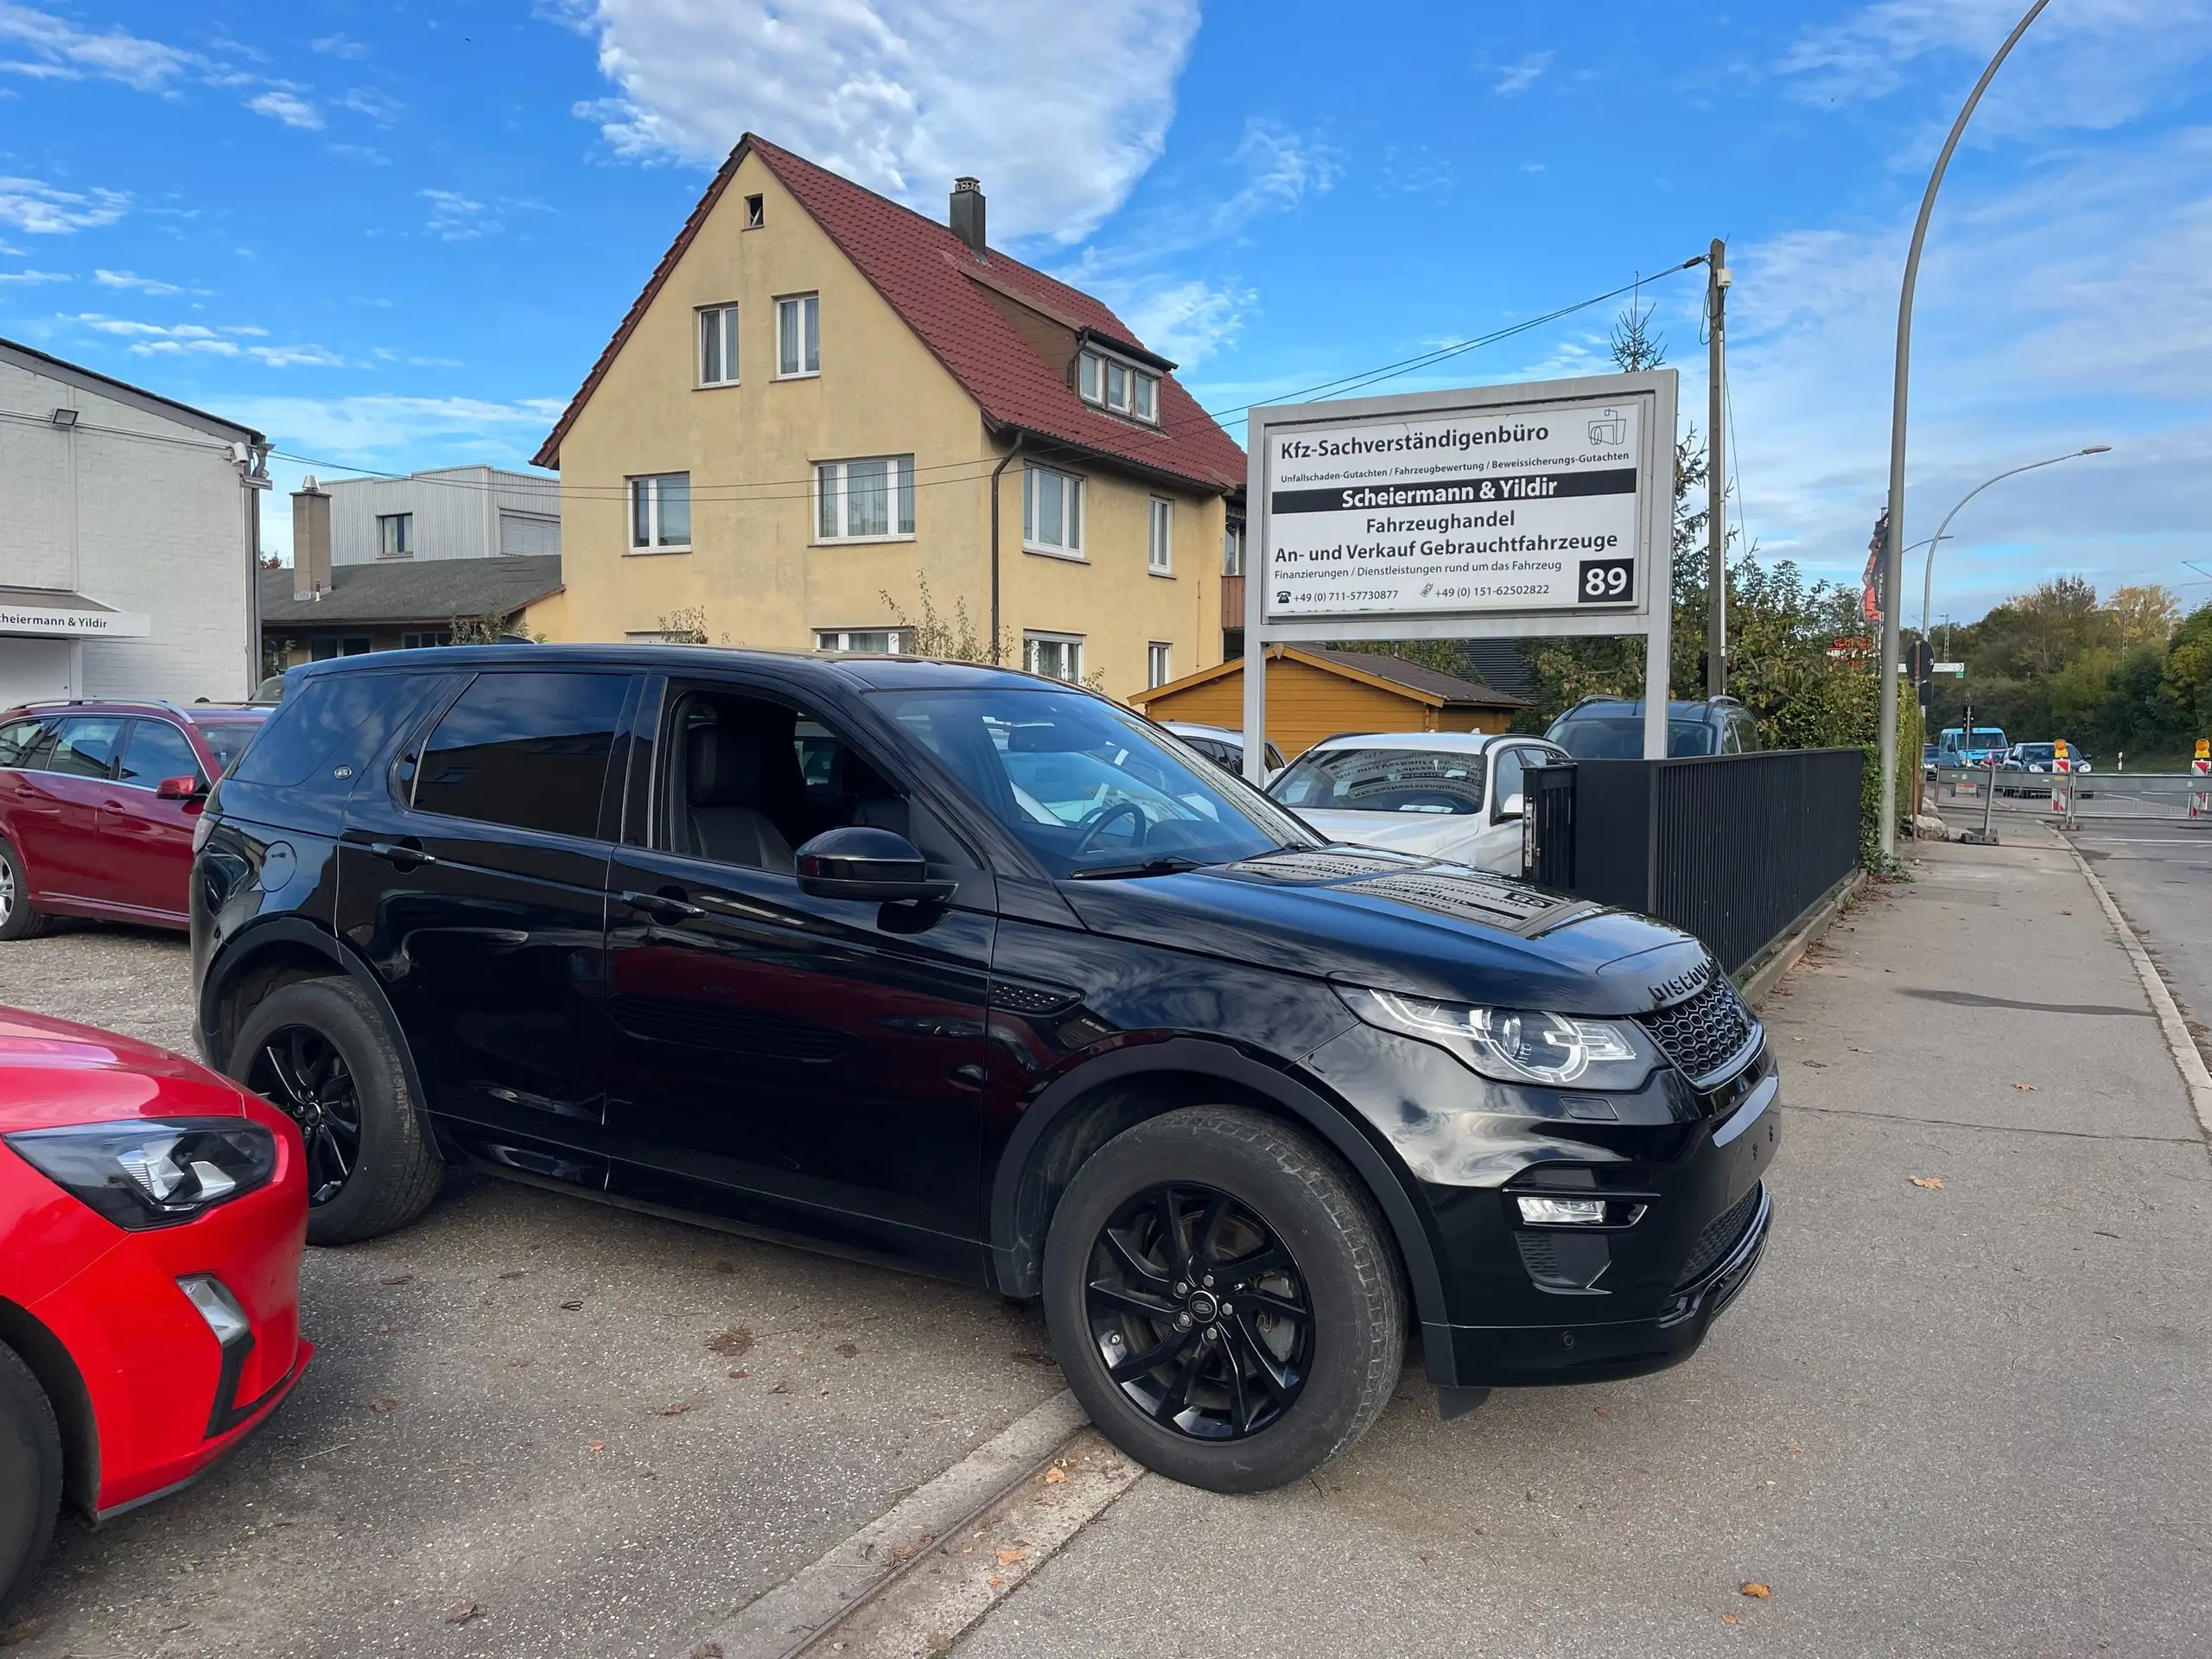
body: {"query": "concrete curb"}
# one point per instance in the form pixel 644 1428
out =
pixel 1767 970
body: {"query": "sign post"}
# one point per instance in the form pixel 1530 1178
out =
pixel 2200 789
pixel 2062 764
pixel 1535 511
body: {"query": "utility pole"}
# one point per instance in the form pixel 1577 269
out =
pixel 1716 475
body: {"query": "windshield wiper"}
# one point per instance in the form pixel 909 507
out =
pixel 1162 866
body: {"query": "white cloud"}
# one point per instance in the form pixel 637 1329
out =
pixel 903 95
pixel 369 428
pixel 453 217
pixel 1188 321
pixel 366 100
pixel 1282 166
pixel 33 276
pixel 1519 78
pixel 60 50
pixel 289 107
pixel 340 46
pixel 176 340
pixel 43 209
pixel 136 284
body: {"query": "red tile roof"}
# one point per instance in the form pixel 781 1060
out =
pixel 922 269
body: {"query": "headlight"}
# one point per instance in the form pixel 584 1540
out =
pixel 1515 1045
pixel 152 1172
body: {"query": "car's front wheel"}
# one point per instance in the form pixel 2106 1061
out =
pixel 318 1051
pixel 1223 1298
pixel 30 1474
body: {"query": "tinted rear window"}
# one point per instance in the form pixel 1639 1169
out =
pixel 336 722
pixel 528 751
pixel 1620 737
pixel 228 737
pixel 157 751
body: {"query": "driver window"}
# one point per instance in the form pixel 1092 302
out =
pixel 1510 783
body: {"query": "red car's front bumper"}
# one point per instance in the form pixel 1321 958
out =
pixel 167 1397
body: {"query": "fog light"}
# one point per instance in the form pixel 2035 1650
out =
pixel 1562 1212
pixel 217 1306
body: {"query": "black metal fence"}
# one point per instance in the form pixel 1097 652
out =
pixel 1734 848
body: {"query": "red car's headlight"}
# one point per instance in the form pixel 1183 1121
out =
pixel 151 1171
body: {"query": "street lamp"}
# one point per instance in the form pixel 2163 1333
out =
pixel 1927 569
pixel 1893 553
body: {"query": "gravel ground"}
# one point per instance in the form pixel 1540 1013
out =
pixel 602 1432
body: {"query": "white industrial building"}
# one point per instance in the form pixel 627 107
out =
pixel 130 526
pixel 452 512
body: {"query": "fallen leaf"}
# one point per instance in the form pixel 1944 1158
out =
pixel 1928 1180
pixel 395 1279
pixel 386 1404
pixel 740 1376
pixel 1008 1557
pixel 1730 1618
pixel 594 1446
pixel 1601 1411
pixel 1757 1591
pixel 735 1343
pixel 1054 1477
pixel 21 1631
pixel 463 1614
pixel 2025 1088
pixel 783 1387
pixel 1796 1450
pixel 848 1349
pixel 573 1307
pixel 994 1581
pixel 676 1410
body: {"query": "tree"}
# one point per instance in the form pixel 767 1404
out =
pixel 2144 613
pixel 952 638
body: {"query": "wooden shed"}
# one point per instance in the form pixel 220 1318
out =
pixel 1314 693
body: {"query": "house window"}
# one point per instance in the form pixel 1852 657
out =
pixel 1117 386
pixel 756 213
pixel 395 535
pixel 1056 656
pixel 875 642
pixel 798 336
pixel 1158 548
pixel 1232 549
pixel 1157 658
pixel 870 500
pixel 1051 512
pixel 429 637
pixel 660 513
pixel 717 345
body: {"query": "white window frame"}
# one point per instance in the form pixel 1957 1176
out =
pixel 1070 643
pixel 1094 372
pixel 902 641
pixel 1160 536
pixel 809 307
pixel 723 320
pixel 403 536
pixel 651 483
pixel 1074 488
pixel 1158 662
pixel 829 487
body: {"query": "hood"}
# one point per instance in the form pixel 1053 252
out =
pixel 53 1072
pixel 1416 925
pixel 1401 832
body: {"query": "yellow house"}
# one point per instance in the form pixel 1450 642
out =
pixel 823 404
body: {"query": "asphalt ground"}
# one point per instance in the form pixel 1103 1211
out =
pixel 1965 1419
pixel 2160 875
pixel 601 1431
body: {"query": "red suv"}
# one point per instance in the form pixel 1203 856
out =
pixel 98 804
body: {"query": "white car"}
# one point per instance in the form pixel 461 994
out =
pixel 1224 748
pixel 1455 795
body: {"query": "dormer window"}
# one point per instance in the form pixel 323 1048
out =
pixel 1121 387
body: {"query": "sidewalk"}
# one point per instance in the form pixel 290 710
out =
pixel 1968 1418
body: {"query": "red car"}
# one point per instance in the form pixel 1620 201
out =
pixel 98 804
pixel 152 1217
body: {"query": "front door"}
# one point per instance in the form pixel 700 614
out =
pixel 473 878
pixel 146 842
pixel 803 1065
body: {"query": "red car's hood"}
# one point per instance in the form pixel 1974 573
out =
pixel 55 1071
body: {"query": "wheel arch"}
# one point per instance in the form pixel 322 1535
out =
pixel 1082 1111
pixel 49 1361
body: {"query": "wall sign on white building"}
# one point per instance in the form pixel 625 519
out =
pixel 1535 510
pixel 42 622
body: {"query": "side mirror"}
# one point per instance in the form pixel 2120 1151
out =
pixel 187 788
pixel 1513 806
pixel 860 862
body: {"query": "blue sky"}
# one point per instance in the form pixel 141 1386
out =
pixel 394 235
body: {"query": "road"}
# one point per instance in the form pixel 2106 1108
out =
pixel 2160 875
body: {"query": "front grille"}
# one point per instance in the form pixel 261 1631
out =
pixel 1720 1237
pixel 1702 1034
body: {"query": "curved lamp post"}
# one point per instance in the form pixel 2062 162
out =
pixel 1928 569
pixel 1893 553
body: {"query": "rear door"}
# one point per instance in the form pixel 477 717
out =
pixel 57 808
pixel 473 877
pixel 146 842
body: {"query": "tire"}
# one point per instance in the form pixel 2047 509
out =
pixel 303 1048
pixel 18 919
pixel 31 1475
pixel 1222 1426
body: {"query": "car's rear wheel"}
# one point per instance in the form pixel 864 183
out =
pixel 319 1052
pixel 30 1474
pixel 18 919
pixel 1223 1298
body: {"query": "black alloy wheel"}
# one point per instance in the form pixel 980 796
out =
pixel 301 1072
pixel 1199 1313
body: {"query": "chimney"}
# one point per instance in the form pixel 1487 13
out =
pixel 310 540
pixel 967 217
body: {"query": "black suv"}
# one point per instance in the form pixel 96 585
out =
pixel 962 971
pixel 1612 728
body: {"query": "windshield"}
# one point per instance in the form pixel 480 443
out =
pixel 228 737
pixel 2036 751
pixel 1384 780
pixel 1620 737
pixel 1085 787
pixel 1984 737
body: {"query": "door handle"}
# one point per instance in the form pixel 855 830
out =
pixel 663 906
pixel 401 853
